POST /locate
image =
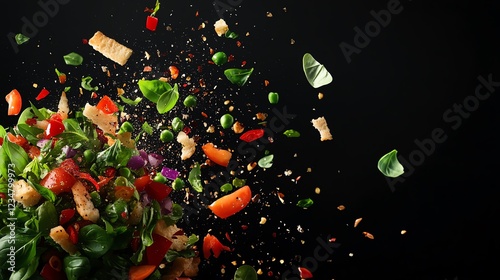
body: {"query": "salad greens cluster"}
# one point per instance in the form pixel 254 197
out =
pixel 33 205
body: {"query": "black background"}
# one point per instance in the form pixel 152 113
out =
pixel 395 92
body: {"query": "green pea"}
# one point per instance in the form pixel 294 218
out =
pixel 177 124
pixel 89 155
pixel 178 184
pixel 126 127
pixel 160 178
pixel 190 101
pixel 226 120
pixel 219 58
pixel 227 187
pixel 166 135
pixel 273 97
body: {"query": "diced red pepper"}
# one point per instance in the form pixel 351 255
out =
pixel 73 234
pixel 252 135
pixel 156 252
pixel 140 183
pixel 66 215
pixel 107 105
pixel 305 273
pixel 158 191
pixel 43 93
pixel 151 23
pixel 174 71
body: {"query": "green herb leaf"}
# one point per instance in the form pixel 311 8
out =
pixel 316 73
pixel 130 101
pixel 167 100
pixel 76 267
pixel 245 272
pixel 94 241
pixel 18 157
pixel 291 133
pixel 21 38
pixel 153 89
pixel 305 203
pixel 73 58
pixel 389 165
pixel 266 162
pixel 195 178
pixel 86 84
pixel 237 76
pixel 25 250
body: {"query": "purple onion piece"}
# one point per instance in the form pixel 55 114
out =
pixel 166 206
pixel 155 160
pixel 143 154
pixel 42 142
pixel 70 152
pixel 169 173
pixel 136 162
pixel 145 199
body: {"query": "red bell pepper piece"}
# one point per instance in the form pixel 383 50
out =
pixel 151 23
pixel 43 93
pixel 252 135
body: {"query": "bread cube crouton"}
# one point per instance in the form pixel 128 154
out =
pixel 25 193
pixel 61 237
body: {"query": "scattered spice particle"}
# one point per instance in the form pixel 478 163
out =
pixel 368 235
pixel 262 221
pixel 320 96
pixel 358 220
pixel 403 231
pixel 341 207
pixel 317 190
pixel 269 14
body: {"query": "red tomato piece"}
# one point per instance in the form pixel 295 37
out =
pixel 252 135
pixel 50 273
pixel 151 23
pixel 15 102
pixel 43 93
pixel 107 105
pixel 73 234
pixel 212 244
pixel 157 251
pixel 53 129
pixel 232 203
pixel 66 215
pixel 158 191
pixel 305 273
pixel 58 181
pixel 218 156
pixel 70 166
pixel 140 183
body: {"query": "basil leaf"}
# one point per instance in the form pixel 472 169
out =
pixel 18 157
pixel 245 272
pixel 73 58
pixel 26 272
pixel 29 132
pixel 195 178
pixel 266 162
pixel 237 76
pixel 316 73
pixel 167 100
pixel 153 89
pixel 94 241
pixel 291 133
pixel 305 203
pixel 76 267
pixel 21 38
pixel 389 165
pixel 130 101
pixel 86 84
pixel 47 217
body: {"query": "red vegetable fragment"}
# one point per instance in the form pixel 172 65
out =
pixel 212 243
pixel 151 23
pixel 305 273
pixel 43 93
pixel 252 135
pixel 15 102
